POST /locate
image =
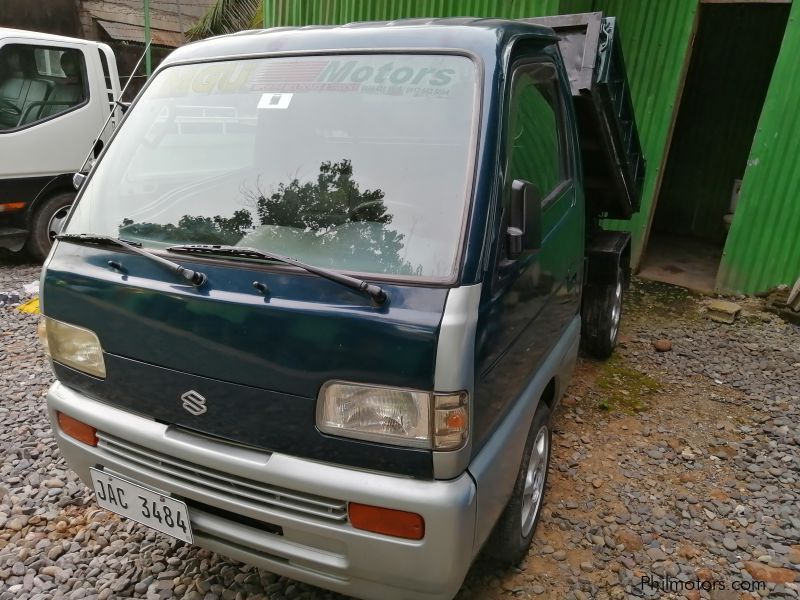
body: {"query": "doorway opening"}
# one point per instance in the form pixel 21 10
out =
pixel 735 49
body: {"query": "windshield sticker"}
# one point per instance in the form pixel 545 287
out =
pixel 221 78
pixel 271 100
pixel 355 75
pixel 367 75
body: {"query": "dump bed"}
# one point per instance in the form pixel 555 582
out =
pixel 613 165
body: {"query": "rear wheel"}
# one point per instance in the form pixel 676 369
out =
pixel 514 531
pixel 601 314
pixel 47 222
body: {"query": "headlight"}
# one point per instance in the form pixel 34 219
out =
pixel 41 329
pixel 72 346
pixel 393 415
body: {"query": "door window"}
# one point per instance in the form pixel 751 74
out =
pixel 535 150
pixel 38 83
pixel 535 144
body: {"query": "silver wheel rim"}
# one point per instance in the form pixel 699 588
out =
pixel 533 491
pixel 616 311
pixel 56 223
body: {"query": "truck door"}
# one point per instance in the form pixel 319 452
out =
pixel 51 107
pixel 534 295
pixel 49 111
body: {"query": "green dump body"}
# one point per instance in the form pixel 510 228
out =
pixel 613 165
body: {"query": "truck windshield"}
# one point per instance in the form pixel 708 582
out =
pixel 353 162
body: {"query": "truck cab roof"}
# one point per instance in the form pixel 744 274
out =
pixel 592 57
pixel 38 36
pixel 480 36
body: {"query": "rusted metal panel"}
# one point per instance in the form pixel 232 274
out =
pixel 763 246
pixel 135 33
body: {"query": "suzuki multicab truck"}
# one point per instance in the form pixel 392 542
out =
pixel 320 294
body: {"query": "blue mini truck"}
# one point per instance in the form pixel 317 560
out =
pixel 318 298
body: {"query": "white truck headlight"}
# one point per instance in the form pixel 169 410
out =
pixel 72 346
pixel 393 415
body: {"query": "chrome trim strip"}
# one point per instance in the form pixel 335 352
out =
pixel 317 506
pixel 276 547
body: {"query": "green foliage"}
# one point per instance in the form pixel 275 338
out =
pixel 347 227
pixel 329 221
pixel 333 200
pixel 625 389
pixel 226 16
pixel 193 230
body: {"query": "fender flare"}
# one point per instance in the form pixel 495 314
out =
pixel 58 184
pixel 606 252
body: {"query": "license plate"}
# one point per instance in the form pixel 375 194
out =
pixel 145 506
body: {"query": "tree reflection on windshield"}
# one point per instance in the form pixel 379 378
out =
pixel 193 230
pixel 327 222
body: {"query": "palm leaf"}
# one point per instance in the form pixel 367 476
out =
pixel 226 16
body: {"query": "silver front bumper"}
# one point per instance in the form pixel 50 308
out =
pixel 231 490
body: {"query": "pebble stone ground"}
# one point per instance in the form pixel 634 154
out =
pixel 680 466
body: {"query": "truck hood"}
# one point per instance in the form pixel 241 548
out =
pixel 258 360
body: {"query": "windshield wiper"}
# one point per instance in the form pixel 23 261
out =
pixel 194 277
pixel 378 295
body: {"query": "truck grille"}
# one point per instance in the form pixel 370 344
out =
pixel 234 487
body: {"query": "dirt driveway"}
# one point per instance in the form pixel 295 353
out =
pixel 675 474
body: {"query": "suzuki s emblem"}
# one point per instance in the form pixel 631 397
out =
pixel 194 402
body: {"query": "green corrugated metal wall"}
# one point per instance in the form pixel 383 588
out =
pixel 576 6
pixel 763 246
pixel 331 12
pixel 655 38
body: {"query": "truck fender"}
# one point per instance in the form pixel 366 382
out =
pixel 606 251
pixel 494 469
pixel 58 184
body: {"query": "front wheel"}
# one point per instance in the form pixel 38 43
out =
pixel 47 222
pixel 601 313
pixel 514 531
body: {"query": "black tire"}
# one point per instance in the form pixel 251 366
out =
pixel 601 314
pixel 514 531
pixel 47 216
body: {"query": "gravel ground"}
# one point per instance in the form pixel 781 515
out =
pixel 682 466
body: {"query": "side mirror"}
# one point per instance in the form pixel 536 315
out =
pixel 77 180
pixel 524 230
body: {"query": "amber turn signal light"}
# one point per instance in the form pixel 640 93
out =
pixel 396 523
pixel 77 429
pixel 12 206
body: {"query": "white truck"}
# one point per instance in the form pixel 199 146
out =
pixel 55 95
